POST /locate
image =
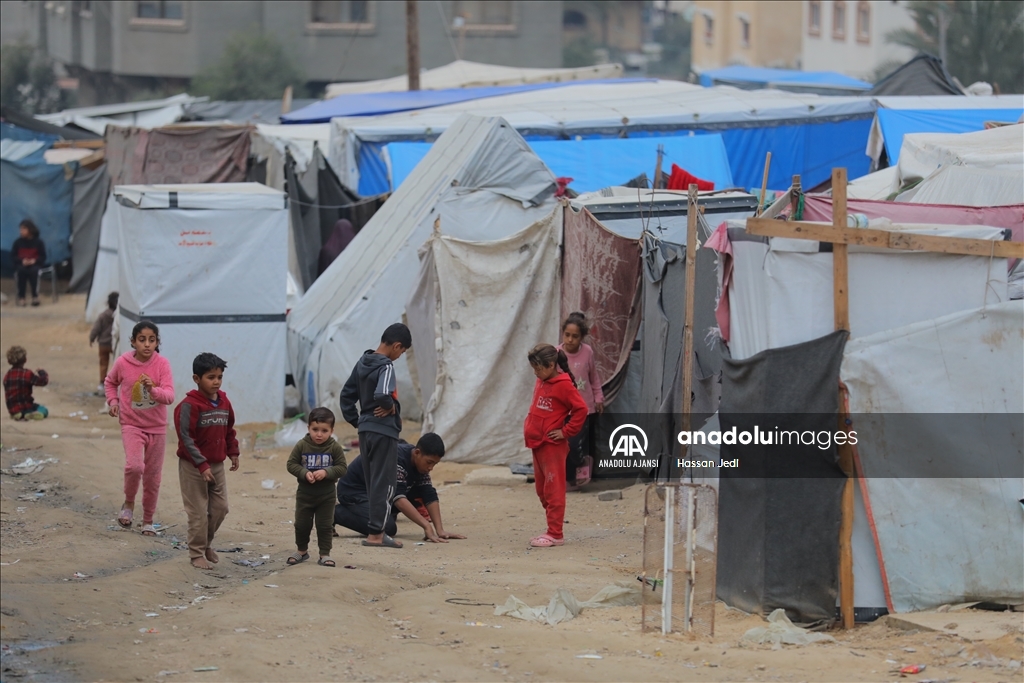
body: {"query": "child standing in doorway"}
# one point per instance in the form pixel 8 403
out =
pixel 139 388
pixel 557 413
pixel 579 464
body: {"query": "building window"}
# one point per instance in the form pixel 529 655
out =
pixel 352 12
pixel 709 29
pixel 839 20
pixel 159 10
pixel 744 31
pixel 863 22
pixel 574 20
pixel 489 14
pixel 814 18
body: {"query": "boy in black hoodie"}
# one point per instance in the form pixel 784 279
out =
pixel 378 419
pixel 29 254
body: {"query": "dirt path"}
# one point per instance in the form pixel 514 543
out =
pixel 386 618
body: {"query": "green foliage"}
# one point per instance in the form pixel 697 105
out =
pixel 578 52
pixel 254 66
pixel 27 81
pixel 674 37
pixel 984 41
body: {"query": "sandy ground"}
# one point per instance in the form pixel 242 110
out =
pixel 143 613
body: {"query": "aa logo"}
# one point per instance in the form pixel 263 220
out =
pixel 628 441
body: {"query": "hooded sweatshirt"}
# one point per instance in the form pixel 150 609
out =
pixel 138 406
pixel 556 404
pixel 372 385
pixel 206 432
pixel 307 456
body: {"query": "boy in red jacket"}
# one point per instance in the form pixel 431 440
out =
pixel 205 424
pixel 557 413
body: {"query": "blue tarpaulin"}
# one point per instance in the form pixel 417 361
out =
pixel 377 103
pixel 764 77
pixel 597 163
pixel 895 123
pixel 32 188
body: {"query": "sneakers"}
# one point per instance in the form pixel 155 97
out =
pixel 101 390
pixel 34 415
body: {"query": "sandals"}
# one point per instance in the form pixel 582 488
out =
pixel 326 562
pixel 296 558
pixel 386 542
pixel 125 518
pixel 546 541
pixel 148 530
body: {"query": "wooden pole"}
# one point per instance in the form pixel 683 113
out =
pixel 691 285
pixel 412 43
pixel 841 306
pixel 794 197
pixel 764 182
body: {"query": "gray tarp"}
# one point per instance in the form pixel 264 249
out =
pixel 778 537
pixel 89 200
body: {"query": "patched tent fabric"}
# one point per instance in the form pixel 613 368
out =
pixel 480 181
pixel 944 539
pixel 177 154
pixel 90 199
pixel 969 186
pixel 922 75
pixel 601 277
pixel 923 153
pixel 778 536
pixel 32 188
pixel 756 78
pixel 475 312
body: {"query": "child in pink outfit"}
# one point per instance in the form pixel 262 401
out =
pixel 579 464
pixel 139 388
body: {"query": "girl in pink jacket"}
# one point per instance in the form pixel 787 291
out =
pixel 579 464
pixel 139 388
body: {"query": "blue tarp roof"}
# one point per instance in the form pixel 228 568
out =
pixel 32 188
pixel 896 123
pixel 376 103
pixel 764 76
pixel 597 163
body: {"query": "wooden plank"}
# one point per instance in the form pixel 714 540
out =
pixel 840 271
pixel 884 239
pixel 764 182
pixel 794 195
pixel 691 285
pixel 846 612
pixel 80 144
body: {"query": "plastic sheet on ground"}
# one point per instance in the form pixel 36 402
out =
pixel 781 631
pixel 290 433
pixel 564 606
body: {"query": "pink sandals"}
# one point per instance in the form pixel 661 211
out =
pixel 546 541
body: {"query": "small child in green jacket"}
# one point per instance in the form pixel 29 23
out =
pixel 318 462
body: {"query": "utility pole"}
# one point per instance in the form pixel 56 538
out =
pixel 412 43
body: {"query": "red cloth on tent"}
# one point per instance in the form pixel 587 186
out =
pixel 680 179
pixel 601 277
pixel 563 186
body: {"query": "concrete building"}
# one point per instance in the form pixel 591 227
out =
pixel 745 32
pixel 618 25
pixel 114 47
pixel 849 37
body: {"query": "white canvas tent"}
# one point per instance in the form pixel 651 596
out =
pixel 476 310
pixel 480 181
pixel 105 273
pixel 969 186
pixel 922 153
pixel 465 74
pixel 208 264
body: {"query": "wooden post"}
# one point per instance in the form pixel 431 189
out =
pixel 794 197
pixel 764 182
pixel 841 306
pixel 412 43
pixel 691 284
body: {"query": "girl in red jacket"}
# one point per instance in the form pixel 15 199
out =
pixel 557 413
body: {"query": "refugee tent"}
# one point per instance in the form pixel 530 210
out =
pixel 877 185
pixel 758 78
pixel 147 114
pixel 271 143
pixel 480 181
pixel 240 111
pixel 91 188
pixel 922 75
pixel 31 188
pixel 940 453
pixel 466 74
pixel 899 116
pixel 207 264
pixel 476 310
pixel 183 154
pixel 596 164
pixel 807 134
pixel 776 313
pixel 923 153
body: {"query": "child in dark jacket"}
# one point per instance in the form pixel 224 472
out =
pixel 318 462
pixel 557 414
pixel 18 383
pixel 205 423
pixel 29 254
pixel 379 421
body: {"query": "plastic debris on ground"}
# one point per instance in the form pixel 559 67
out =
pixel 564 606
pixel 270 484
pixel 780 630
pixel 32 466
pixel 912 669
pixel 287 435
pixel 248 563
